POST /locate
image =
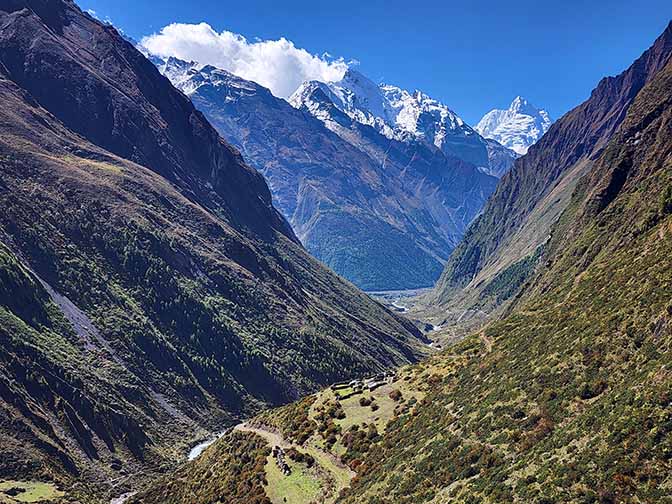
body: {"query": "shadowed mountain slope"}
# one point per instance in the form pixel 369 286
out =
pixel 149 291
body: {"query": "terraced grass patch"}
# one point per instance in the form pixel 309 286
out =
pixel 379 412
pixel 340 474
pixel 12 492
pixel 344 392
pixel 301 486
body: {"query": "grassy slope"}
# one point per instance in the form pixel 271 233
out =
pixel 302 485
pixel 12 492
pixel 336 433
pixel 517 220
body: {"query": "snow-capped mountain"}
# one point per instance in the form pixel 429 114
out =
pixel 189 77
pixel 400 115
pixel 518 128
pixel 383 211
pixel 391 110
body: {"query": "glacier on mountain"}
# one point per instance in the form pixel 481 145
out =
pixel 399 115
pixel 393 111
pixel 518 128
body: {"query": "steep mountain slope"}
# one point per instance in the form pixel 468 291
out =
pixel 149 291
pixel 400 115
pixel 518 127
pixel 385 217
pixel 502 247
pixel 568 398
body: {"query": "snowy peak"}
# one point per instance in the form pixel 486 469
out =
pixel 521 106
pixel 401 115
pixel 395 112
pixel 175 69
pixel 361 94
pixel 190 77
pixel 518 127
pixel 422 116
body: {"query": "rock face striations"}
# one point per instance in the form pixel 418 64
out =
pixel 148 287
pixel 381 205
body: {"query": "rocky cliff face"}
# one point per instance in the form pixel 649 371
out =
pixel 501 248
pixel 149 290
pixel 380 211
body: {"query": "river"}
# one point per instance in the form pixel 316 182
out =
pixel 196 451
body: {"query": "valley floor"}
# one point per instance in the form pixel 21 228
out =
pixel 411 303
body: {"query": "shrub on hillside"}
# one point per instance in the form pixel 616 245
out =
pixel 364 401
pixel 395 395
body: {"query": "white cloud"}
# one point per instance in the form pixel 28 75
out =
pixel 277 64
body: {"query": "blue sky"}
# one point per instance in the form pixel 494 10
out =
pixel 473 56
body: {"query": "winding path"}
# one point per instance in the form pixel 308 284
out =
pixel 273 438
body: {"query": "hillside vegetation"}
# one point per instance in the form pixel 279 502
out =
pixel 149 291
pixel 325 436
pixel 567 399
pixel 570 400
pixel 501 249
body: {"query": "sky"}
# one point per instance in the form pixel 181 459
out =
pixel 473 56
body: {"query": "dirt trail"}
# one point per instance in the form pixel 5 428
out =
pixel 486 341
pixel 273 438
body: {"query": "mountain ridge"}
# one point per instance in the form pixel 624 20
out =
pixel 404 116
pixel 516 221
pixel 379 211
